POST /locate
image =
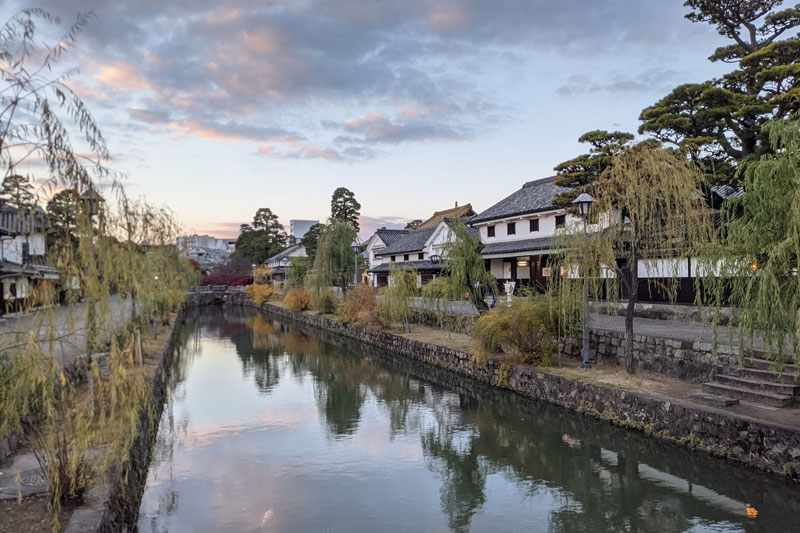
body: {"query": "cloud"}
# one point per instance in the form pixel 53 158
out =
pixel 376 72
pixel 121 76
pixel 653 80
pixel 378 128
pixel 221 230
pixel 368 225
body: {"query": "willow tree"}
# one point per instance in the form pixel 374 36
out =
pixel 464 267
pixel 395 304
pixel 63 423
pixel 753 265
pixel 648 216
pixel 335 260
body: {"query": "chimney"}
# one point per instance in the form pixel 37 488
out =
pixel 456 203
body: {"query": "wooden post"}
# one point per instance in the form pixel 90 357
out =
pixel 139 348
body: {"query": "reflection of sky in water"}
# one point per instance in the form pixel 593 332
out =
pixel 318 450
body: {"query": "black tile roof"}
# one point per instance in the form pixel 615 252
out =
pixel 413 265
pixel 475 232
pixel 727 191
pixel 285 253
pixel 388 236
pixel 533 197
pixel 413 241
pixel 520 246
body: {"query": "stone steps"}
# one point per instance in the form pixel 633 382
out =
pixel 764 364
pixel 760 374
pixel 788 389
pixel 714 400
pixel 749 395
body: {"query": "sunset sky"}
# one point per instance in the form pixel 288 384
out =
pixel 219 107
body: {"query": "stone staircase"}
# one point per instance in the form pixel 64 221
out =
pixel 753 383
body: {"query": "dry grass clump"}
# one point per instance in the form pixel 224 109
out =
pixel 360 306
pixel 260 293
pixel 527 328
pixel 297 299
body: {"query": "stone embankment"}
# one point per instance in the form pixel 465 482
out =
pixel 114 506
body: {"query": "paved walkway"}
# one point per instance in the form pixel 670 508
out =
pixel 62 329
pixel 671 329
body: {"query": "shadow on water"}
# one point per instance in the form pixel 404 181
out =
pixel 604 478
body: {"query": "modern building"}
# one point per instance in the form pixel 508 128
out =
pixel 208 251
pixel 298 228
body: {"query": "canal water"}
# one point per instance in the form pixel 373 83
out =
pixel 270 428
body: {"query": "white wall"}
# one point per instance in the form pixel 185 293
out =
pixel 12 248
pixel 663 268
pixel 547 227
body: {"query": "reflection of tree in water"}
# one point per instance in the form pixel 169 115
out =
pixel 463 476
pixel 593 472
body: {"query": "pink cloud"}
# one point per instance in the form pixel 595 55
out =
pixel 123 76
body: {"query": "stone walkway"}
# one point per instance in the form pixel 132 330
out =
pixel 671 329
pixel 31 479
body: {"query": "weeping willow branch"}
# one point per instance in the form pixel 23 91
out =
pixel 753 264
pixel 648 215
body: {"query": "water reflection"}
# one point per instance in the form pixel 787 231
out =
pixel 275 428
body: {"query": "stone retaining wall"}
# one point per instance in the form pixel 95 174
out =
pixel 114 506
pixel 686 360
pixel 768 447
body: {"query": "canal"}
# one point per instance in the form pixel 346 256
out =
pixel 271 428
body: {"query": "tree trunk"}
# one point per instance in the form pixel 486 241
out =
pixel 633 281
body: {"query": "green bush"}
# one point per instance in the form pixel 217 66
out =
pixel 528 328
pixel 326 302
pixel 394 306
pixel 438 289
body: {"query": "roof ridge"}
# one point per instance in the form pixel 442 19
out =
pixel 539 181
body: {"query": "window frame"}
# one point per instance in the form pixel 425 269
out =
pixel 533 227
pixel 511 228
pixel 563 221
pixel 490 231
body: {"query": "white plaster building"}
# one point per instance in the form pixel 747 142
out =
pixel 422 250
pixel 276 261
pixel 22 255
pixel 519 232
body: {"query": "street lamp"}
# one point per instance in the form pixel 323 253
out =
pixel 584 202
pixel 145 246
pixel 435 258
pixel 285 262
pixel 356 248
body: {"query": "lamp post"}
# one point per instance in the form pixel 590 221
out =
pixel 584 202
pixel 356 248
pixel 285 262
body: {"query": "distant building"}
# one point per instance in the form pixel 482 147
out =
pixel 22 256
pixel 421 249
pixel 276 261
pixel 298 228
pixel 208 251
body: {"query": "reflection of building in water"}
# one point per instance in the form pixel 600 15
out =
pixel 584 474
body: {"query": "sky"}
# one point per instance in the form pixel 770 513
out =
pixel 219 107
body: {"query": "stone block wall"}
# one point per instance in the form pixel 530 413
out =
pixel 686 360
